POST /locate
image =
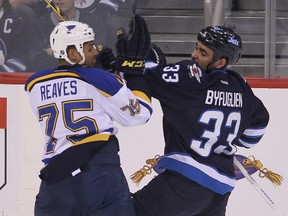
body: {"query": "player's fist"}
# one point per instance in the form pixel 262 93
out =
pixel 133 49
pixel 137 43
pixel 106 58
pixel 157 56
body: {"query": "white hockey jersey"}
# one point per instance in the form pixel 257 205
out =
pixel 78 105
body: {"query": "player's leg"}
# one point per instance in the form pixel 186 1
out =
pixel 171 194
pixel 107 191
pixel 105 187
pixel 56 199
pixel 217 207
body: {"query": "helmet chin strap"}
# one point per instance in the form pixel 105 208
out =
pixel 83 57
pixel 69 61
pixel 73 63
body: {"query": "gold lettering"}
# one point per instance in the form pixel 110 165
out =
pixel 133 63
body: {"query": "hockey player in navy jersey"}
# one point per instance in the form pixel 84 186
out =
pixel 208 112
pixel 76 105
pixel 13 38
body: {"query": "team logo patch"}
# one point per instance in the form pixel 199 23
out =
pixel 133 107
pixel 234 41
pixel 195 71
pixel 69 28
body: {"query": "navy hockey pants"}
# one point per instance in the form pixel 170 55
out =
pixel 101 190
pixel 171 194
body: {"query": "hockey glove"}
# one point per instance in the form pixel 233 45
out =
pixel 157 56
pixel 106 58
pixel 132 52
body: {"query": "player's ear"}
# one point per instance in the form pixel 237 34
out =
pixel 74 55
pixel 221 63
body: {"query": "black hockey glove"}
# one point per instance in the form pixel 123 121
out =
pixel 132 52
pixel 157 56
pixel 106 58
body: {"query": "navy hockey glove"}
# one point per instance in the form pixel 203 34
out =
pixel 157 56
pixel 106 58
pixel 132 52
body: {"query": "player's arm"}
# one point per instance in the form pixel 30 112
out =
pixel 156 57
pixel 131 104
pixel 13 65
pixel 130 107
pixel 257 127
pixel 132 50
pixel 9 64
pixel 127 107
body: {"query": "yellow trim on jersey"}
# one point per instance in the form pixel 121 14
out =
pixel 104 93
pixel 120 80
pixel 49 76
pixel 96 137
pixel 142 95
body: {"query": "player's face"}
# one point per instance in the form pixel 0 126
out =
pixel 65 5
pixel 202 55
pixel 90 53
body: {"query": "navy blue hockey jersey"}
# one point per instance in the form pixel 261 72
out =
pixel 205 116
pixel 13 39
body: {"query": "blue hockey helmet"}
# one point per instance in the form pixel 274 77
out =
pixel 223 41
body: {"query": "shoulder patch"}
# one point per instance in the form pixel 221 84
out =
pixel 195 71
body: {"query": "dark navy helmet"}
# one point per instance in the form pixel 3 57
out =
pixel 223 41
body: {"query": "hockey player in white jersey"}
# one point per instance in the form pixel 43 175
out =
pixel 76 105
